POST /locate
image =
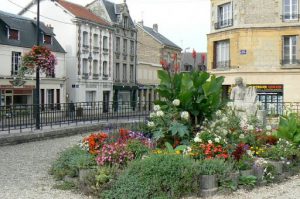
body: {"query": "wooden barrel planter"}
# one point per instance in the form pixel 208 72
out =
pixel 208 185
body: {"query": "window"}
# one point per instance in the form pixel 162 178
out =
pixel 105 43
pixel 105 69
pixel 289 50
pixel 96 41
pixel 90 97
pixel 50 93
pixel 85 38
pixel 222 55
pixel 47 39
pixel 85 66
pixel 131 47
pixel 125 46
pixel 15 62
pixel 95 67
pixel 290 9
pixel 125 22
pixel 124 72
pixel 118 44
pixel 13 34
pixel 224 16
pixel 131 73
pixel 117 71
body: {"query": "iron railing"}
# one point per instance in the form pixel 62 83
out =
pixel 280 108
pixel 224 24
pixel 290 17
pixel 221 65
pixel 19 117
pixel 290 61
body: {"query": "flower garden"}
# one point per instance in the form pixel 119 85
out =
pixel 192 145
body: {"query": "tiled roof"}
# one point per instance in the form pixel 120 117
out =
pixel 27 29
pixel 187 58
pixel 82 12
pixel 162 39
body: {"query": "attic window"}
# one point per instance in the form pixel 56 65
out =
pixel 125 22
pixel 13 34
pixel 47 39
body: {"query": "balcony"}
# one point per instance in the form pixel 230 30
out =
pixel 124 57
pixel 105 51
pixel 224 24
pixel 85 75
pixel 105 77
pixel 96 49
pixel 290 17
pixel 221 65
pixel 290 63
pixel 132 58
pixel 95 76
pixel 117 55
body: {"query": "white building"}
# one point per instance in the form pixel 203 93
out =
pixel 88 41
pixel 17 36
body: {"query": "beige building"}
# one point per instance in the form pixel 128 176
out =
pixel 152 48
pixel 258 41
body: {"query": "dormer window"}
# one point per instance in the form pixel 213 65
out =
pixel 125 22
pixel 47 39
pixel 13 34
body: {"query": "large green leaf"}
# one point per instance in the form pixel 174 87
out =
pixel 178 129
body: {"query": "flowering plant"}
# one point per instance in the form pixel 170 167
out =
pixel 42 57
pixel 208 151
pixel 94 142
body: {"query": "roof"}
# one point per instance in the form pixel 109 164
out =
pixel 82 12
pixel 114 10
pixel 162 39
pixel 187 58
pixel 27 28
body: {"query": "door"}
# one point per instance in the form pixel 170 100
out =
pixel 105 101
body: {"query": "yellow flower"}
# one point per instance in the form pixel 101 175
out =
pixel 177 152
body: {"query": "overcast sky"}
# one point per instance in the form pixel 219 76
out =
pixel 185 22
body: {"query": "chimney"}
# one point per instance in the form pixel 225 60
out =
pixel 141 23
pixel 155 27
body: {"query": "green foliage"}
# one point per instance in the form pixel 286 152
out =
pixel 248 181
pixel 65 186
pixel 199 92
pixel 178 129
pixel 289 128
pixel 158 176
pixel 70 161
pixel 245 163
pixel 215 166
pixel 170 148
pixel 137 148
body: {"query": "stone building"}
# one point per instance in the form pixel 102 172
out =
pixel 152 48
pixel 17 37
pixel 88 41
pixel 188 63
pixel 125 37
pixel 259 41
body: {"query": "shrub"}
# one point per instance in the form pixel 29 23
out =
pixel 164 176
pixel 214 166
pixel 137 148
pixel 70 161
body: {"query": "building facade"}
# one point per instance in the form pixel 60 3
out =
pixel 125 41
pixel 189 63
pixel 152 49
pixel 88 42
pixel 258 41
pixel 17 37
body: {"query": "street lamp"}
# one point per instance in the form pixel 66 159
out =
pixel 37 82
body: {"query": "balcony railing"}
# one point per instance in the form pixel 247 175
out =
pixel 221 65
pixel 290 62
pixel 105 77
pixel 290 17
pixel 85 75
pixel 95 76
pixel 105 51
pixel 224 23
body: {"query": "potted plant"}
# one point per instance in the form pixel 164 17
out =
pixel 244 165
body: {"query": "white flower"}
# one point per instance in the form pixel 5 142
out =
pixel 176 102
pixel 209 142
pixel 184 115
pixel 217 140
pixel 225 132
pixel 225 119
pixel 197 139
pixel 268 128
pixel 156 107
pixel 242 136
pixel 152 115
pixel 250 128
pixel 268 133
pixel 288 163
pixel 160 113
pixel 218 113
pixel 150 124
pixel 249 152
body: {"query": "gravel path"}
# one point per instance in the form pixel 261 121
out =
pixel 24 167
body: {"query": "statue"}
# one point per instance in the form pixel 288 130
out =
pixel 244 100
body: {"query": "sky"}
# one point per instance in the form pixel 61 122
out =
pixel 185 22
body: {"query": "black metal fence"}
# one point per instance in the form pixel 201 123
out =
pixel 280 108
pixel 19 117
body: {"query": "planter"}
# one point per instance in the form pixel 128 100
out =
pixel 246 172
pixel 258 173
pixel 278 166
pixel 234 177
pixel 208 185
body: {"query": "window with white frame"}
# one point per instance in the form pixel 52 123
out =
pixel 125 46
pixel 13 34
pixel 96 40
pixel 118 71
pixel 95 67
pixel 90 97
pixel 290 9
pixel 85 66
pixel 85 38
pixel 47 39
pixel 50 93
pixel 118 44
pixel 124 72
pixel 105 69
pixel 105 43
pixel 131 47
pixel 15 62
pixel 222 54
pixel 289 49
pixel 224 15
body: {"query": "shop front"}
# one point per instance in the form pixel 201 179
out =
pixel 11 95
